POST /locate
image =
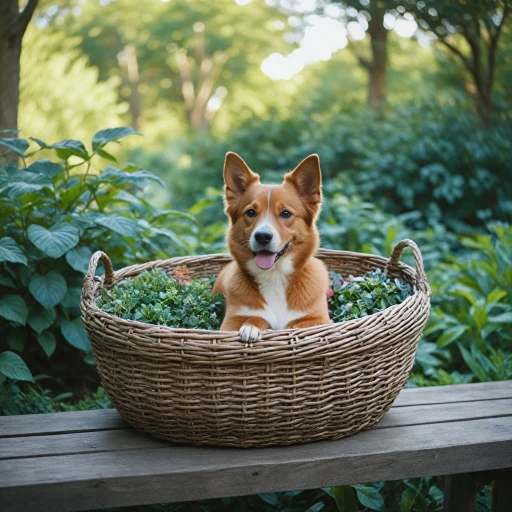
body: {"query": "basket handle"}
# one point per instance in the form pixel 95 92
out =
pixel 110 278
pixel 394 259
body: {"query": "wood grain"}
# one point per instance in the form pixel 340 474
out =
pixel 129 439
pixel 180 473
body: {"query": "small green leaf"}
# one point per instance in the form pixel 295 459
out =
pixel 7 404
pixel 71 195
pixel 16 342
pixel 496 296
pixel 13 308
pixel 19 146
pixel 55 241
pixel 103 137
pixel 69 147
pixel 75 334
pixel 48 289
pixel 11 251
pixel 13 367
pixel 106 155
pixel 41 318
pixel 370 497
pixel 504 318
pixel 48 342
pixel 79 258
pixel 450 335
pixel 270 498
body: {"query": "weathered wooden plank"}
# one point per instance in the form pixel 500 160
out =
pixel 456 393
pixel 180 473
pixel 42 424
pixel 118 440
pixel 438 413
pixel 90 421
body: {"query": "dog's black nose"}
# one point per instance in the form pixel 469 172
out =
pixel 263 237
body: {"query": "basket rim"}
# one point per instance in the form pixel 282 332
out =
pixel 229 339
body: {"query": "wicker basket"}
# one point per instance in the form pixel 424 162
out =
pixel 205 387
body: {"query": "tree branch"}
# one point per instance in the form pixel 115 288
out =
pixel 20 24
pixel 493 46
pixel 457 52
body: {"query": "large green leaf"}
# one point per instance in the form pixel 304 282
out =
pixel 46 167
pixel 117 223
pixel 11 251
pixel 23 182
pixel 48 289
pixel 41 318
pixel 345 497
pixel 103 137
pixel 70 147
pixel 138 178
pixel 370 497
pixel 55 241
pixel 48 342
pixel 13 308
pixel 19 146
pixel 12 366
pixel 75 334
pixel 79 258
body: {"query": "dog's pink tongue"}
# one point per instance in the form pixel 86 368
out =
pixel 265 259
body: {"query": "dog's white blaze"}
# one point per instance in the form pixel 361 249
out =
pixel 273 284
pixel 266 225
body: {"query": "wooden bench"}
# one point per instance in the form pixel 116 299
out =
pixel 89 460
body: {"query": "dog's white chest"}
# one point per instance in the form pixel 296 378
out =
pixel 273 284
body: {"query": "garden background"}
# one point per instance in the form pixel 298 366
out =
pixel 408 104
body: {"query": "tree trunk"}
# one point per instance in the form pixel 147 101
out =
pixel 130 72
pixel 10 52
pixel 484 108
pixel 12 28
pixel 378 65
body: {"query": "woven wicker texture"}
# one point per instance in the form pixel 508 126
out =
pixel 205 387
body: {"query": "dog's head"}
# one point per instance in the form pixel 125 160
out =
pixel 268 222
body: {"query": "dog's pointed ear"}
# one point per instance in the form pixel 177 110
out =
pixel 307 179
pixel 237 177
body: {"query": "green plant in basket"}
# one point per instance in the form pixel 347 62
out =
pixel 362 296
pixel 157 298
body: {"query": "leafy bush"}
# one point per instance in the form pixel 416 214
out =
pixel 55 214
pixel 429 155
pixel 157 298
pixel 470 327
pixel 362 296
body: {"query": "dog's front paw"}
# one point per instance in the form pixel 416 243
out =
pixel 249 333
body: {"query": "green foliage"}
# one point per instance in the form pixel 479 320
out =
pixel 157 298
pixel 430 155
pixel 60 93
pixel 362 296
pixel 471 320
pixel 55 214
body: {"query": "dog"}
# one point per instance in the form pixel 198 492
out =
pixel 274 280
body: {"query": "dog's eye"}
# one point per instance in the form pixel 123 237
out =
pixel 251 213
pixel 285 214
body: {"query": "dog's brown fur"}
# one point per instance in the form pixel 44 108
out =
pixel 304 277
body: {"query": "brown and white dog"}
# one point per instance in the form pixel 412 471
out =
pixel 274 281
